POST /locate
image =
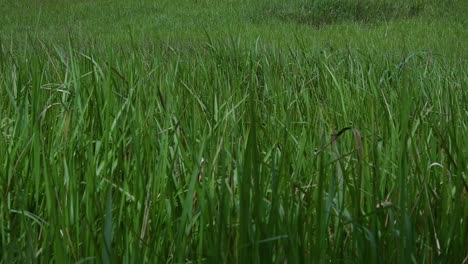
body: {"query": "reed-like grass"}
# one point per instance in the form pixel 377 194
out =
pixel 231 154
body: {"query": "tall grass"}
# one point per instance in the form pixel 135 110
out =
pixel 231 154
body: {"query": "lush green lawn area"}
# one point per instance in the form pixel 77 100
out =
pixel 438 26
pixel 233 131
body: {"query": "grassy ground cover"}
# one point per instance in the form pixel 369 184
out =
pixel 233 131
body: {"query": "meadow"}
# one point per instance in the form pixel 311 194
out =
pixel 234 131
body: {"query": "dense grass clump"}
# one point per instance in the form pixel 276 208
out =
pixel 322 13
pixel 232 154
pixel 225 131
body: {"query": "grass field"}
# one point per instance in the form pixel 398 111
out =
pixel 234 131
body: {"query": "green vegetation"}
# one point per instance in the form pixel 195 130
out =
pixel 233 131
